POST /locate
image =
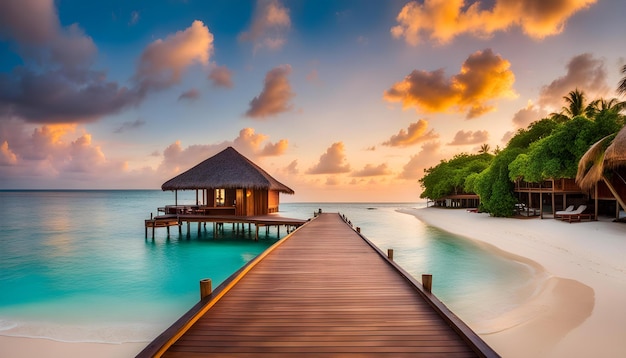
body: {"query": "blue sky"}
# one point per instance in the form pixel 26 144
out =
pixel 340 100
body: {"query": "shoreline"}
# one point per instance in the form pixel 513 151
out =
pixel 577 307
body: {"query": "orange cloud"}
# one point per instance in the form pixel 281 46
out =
pixel 275 96
pixel 442 20
pixel 331 162
pixel 274 149
pixel 469 137
pixel 221 76
pixel 269 27
pixel 416 133
pixel 370 171
pixel 7 157
pixel 163 61
pixel 484 76
pixel 177 159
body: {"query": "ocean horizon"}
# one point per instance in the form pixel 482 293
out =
pixel 76 266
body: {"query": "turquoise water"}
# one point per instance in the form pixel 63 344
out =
pixel 75 266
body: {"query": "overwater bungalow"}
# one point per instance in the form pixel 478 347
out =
pixel 228 184
pixel 229 188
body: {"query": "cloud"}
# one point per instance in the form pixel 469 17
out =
pixel 163 62
pixel 274 149
pixel 138 123
pixel 484 76
pixel 527 115
pixel 370 171
pixel 275 96
pixel 332 181
pixel 35 27
pixel 52 154
pixel 269 27
pixel 190 95
pixel 54 83
pixel 331 162
pixel 442 21
pixel 134 18
pixel 426 158
pixel 7 157
pixel 292 168
pixel 464 138
pixel 221 76
pixel 416 133
pixel 177 159
pixel 583 72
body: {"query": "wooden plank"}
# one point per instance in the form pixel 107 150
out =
pixel 324 291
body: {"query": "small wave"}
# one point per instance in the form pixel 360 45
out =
pixel 6 325
pixel 74 333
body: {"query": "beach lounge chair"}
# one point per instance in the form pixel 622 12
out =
pixel 575 215
pixel 567 210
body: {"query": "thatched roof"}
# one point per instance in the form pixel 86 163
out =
pixel 615 155
pixel 592 164
pixel 227 169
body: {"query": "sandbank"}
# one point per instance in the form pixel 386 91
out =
pixel 577 309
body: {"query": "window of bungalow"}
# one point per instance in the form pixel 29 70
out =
pixel 219 197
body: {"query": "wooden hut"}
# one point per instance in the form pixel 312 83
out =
pixel 229 184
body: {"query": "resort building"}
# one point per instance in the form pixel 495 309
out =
pixel 227 184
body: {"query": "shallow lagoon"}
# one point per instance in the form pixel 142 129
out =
pixel 75 265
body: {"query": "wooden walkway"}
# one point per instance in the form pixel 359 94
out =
pixel 324 291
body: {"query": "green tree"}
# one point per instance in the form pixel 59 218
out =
pixel 494 187
pixel 448 177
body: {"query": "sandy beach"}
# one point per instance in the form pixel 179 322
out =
pixel 577 309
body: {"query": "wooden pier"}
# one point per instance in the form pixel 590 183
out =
pixel 323 291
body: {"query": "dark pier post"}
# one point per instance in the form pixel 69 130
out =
pixel 427 282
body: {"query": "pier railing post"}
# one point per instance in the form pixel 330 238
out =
pixel 205 288
pixel 427 282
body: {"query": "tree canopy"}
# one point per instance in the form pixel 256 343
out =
pixel 550 148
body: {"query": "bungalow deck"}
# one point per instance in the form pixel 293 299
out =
pixel 324 290
pixel 188 217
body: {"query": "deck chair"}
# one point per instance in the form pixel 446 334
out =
pixel 567 210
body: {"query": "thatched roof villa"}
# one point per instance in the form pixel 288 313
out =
pixel 230 183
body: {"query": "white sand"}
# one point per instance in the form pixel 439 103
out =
pixel 579 309
pixel 17 347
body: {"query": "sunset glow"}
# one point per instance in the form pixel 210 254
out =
pixel 340 100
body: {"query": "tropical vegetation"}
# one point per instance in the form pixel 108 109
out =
pixel 550 148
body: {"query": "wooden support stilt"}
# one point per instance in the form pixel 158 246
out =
pixel 256 236
pixel 390 254
pixel 188 229
pixel 427 282
pixel 205 288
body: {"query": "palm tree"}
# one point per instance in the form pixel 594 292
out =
pixel 484 149
pixel 607 153
pixel 575 106
pixel 602 106
pixel 621 89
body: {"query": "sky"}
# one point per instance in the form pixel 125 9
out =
pixel 341 100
